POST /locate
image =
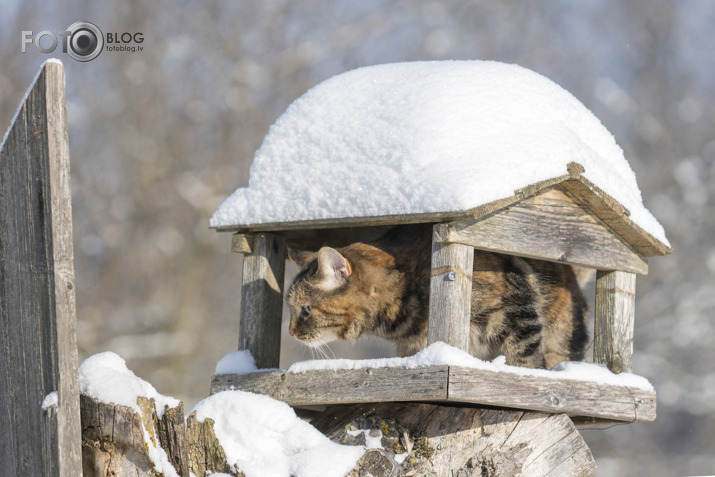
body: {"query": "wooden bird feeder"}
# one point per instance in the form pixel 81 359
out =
pixel 566 219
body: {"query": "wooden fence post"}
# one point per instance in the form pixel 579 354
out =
pixel 37 302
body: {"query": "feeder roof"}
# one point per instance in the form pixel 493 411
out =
pixel 424 141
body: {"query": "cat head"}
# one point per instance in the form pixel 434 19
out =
pixel 323 297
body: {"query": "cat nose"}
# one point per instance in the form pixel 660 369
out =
pixel 291 331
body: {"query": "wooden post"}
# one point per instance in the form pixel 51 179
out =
pixel 262 298
pixel 614 313
pixel 37 302
pixel 450 294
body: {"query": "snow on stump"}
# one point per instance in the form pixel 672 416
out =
pixel 128 428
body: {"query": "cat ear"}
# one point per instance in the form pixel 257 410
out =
pixel 301 257
pixel 333 268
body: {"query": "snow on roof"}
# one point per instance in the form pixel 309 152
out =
pixel 425 137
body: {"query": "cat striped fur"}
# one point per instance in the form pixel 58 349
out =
pixel 531 311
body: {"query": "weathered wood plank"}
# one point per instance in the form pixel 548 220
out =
pixel 37 303
pixel 450 294
pixel 548 226
pixel 342 386
pixel 447 440
pixel 575 398
pixel 447 383
pixel 614 320
pixel 262 300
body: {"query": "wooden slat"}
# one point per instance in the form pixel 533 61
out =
pixel 450 294
pixel 342 386
pixel 614 320
pixel 262 300
pixel 448 383
pixel 548 226
pixel 575 398
pixel 37 302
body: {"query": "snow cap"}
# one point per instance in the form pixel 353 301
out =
pixel 425 137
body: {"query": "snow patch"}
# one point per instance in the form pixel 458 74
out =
pixel 51 400
pixel 105 376
pixel 422 137
pixel 264 438
pixel 442 354
pixel 238 362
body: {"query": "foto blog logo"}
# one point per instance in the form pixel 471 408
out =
pixel 82 41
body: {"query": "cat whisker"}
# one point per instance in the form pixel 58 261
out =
pixel 327 346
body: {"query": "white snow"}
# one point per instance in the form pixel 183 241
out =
pixel 411 138
pixel 24 98
pixel 52 399
pixel 371 442
pixel 238 362
pixel 260 435
pixel 264 438
pixel 442 354
pixel 105 376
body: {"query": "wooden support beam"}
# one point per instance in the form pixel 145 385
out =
pixel 549 226
pixel 262 299
pixel 443 383
pixel 450 294
pixel 614 314
pixel 342 386
pixel 38 348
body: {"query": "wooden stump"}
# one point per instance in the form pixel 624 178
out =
pixel 114 442
pixel 461 441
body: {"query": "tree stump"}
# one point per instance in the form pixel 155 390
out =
pixel 431 440
pixel 114 442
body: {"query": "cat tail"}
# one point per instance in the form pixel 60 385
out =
pixel 584 275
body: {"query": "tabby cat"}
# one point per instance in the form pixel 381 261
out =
pixel 531 311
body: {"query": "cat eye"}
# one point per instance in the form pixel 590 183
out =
pixel 305 311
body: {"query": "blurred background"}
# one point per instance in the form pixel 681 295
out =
pixel 159 137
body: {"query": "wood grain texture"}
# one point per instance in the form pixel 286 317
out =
pixel 614 316
pixel 548 226
pixel 114 442
pixel 242 243
pixel 206 456
pixel 37 302
pixel 448 383
pixel 575 398
pixel 450 294
pixel 262 300
pixel 341 386
pixel 464 441
pixel 617 217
